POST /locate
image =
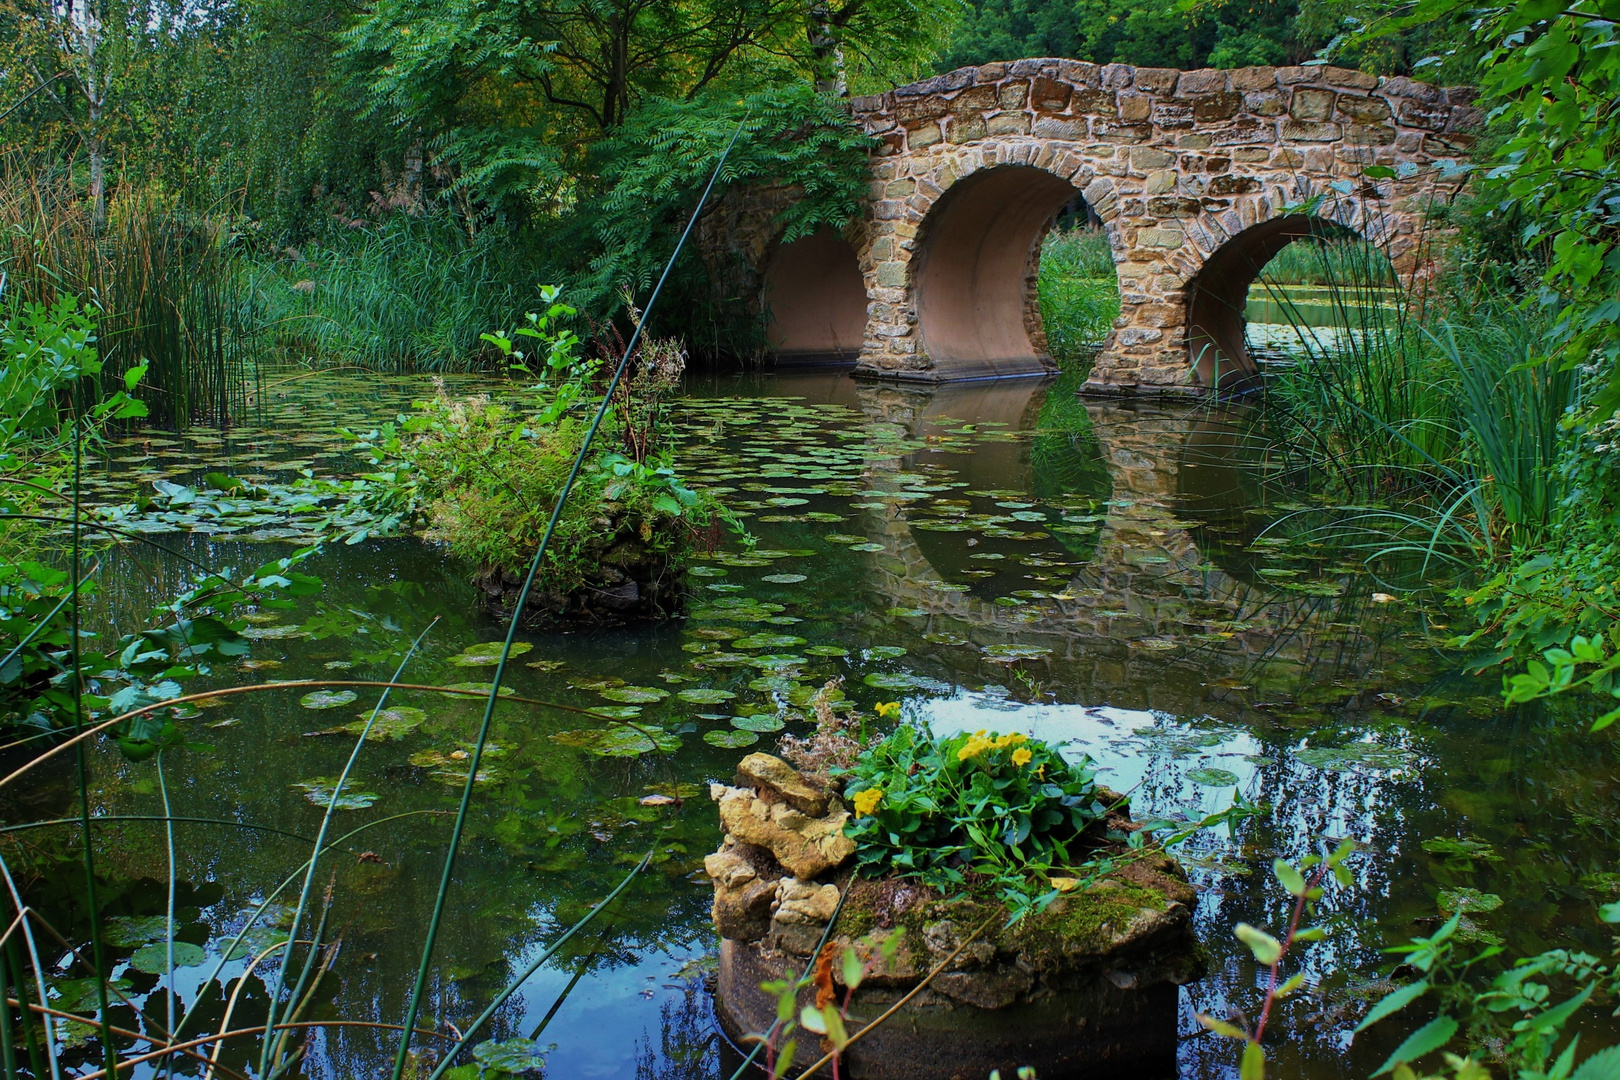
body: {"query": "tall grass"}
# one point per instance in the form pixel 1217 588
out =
pixel 1079 294
pixel 163 279
pixel 1434 435
pixel 404 295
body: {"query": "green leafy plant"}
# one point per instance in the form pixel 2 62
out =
pixel 1514 1010
pixel 1305 884
pixel 1006 807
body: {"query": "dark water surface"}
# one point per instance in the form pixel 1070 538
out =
pixel 998 555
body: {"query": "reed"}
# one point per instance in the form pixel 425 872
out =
pixel 163 279
pixel 1079 294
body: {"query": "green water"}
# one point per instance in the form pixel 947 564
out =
pixel 915 531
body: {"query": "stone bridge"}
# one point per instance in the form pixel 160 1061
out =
pixel 1198 178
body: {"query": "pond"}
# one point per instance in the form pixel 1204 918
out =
pixel 1004 556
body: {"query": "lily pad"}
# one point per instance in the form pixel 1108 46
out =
pixel 885 652
pixel 493 649
pixel 758 722
pixel 1357 755
pixel 319 791
pixel 705 696
pixel 328 699
pixel 730 740
pixel 617 712
pixel 1212 777
pixel 783 579
pixel 619 741
pixel 826 650
pixel 153 959
pixel 635 695
pixel 884 680
pixel 767 641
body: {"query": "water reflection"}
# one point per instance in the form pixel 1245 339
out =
pixel 909 534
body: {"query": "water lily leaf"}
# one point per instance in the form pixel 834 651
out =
pixel 394 722
pixel 1013 653
pixel 866 547
pixel 779 684
pixel 884 652
pixel 881 680
pixel 767 641
pixel 328 699
pixel 826 650
pixel 617 712
pixel 493 648
pixel 319 791
pixel 619 741
pixel 783 579
pixel 906 612
pixel 705 696
pixel 133 930
pixel 758 722
pixel 635 695
pixel 153 959
pixel 730 740
pixel 1212 777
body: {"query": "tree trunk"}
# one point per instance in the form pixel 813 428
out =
pixel 826 52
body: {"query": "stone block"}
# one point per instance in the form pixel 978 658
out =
pixel 1251 155
pixel 992 72
pixel 1013 95
pixel 1009 123
pixel 1292 76
pixel 899 189
pixel 974 99
pixel 1146 158
pixel 1243 132
pixel 912 111
pixel 1202 81
pixel 1143 335
pixel 1094 103
pixel 1431 117
pixel 1319 159
pixel 868 104
pixel 892 274
pixel 1117 76
pixel 1193 142
pixel 924 135
pixel 1025 68
pixel 1358 80
pixel 1461 95
pixel 1080 73
pixel 1098 190
pixel 1219 106
pixel 891 144
pixel 1370 134
pixel 939 84
pixel 1049 95
pixel 1156 80
pixel 1465 118
pixel 1170 206
pixel 1409 142
pixel 1312 105
pixel 1233 184
pixel 1160 182
pixel 1286 159
pixel 1172 115
pixel 1057 127
pixel 1401 86
pixel 1254 78
pixel 1264 103
pixel 1127 133
pixel 1306 131
pixel 1362 109
pixel 1134 107
pixel 1167 235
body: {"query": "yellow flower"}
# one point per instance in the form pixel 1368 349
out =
pixel 887 709
pixel 866 801
pixel 1021 756
pixel 975 746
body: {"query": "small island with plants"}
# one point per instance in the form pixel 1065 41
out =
pixel 482 475
pixel 984 882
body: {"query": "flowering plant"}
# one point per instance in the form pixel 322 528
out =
pixel 1006 806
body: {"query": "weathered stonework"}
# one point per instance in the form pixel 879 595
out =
pixel 1179 166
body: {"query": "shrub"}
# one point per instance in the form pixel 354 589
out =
pixel 1004 806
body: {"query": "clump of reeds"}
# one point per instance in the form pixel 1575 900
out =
pixel 162 278
pixel 1079 294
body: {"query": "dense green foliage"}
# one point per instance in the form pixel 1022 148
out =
pixel 1079 294
pixel 1006 807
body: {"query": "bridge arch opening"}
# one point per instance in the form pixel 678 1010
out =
pixel 815 300
pixel 978 265
pixel 1317 277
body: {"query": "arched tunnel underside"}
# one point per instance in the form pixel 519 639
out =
pixel 976 285
pixel 1216 346
pixel 815 300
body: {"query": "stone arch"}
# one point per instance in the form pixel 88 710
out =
pixel 815 300
pixel 977 266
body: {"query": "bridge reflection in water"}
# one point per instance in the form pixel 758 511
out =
pixel 1162 605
